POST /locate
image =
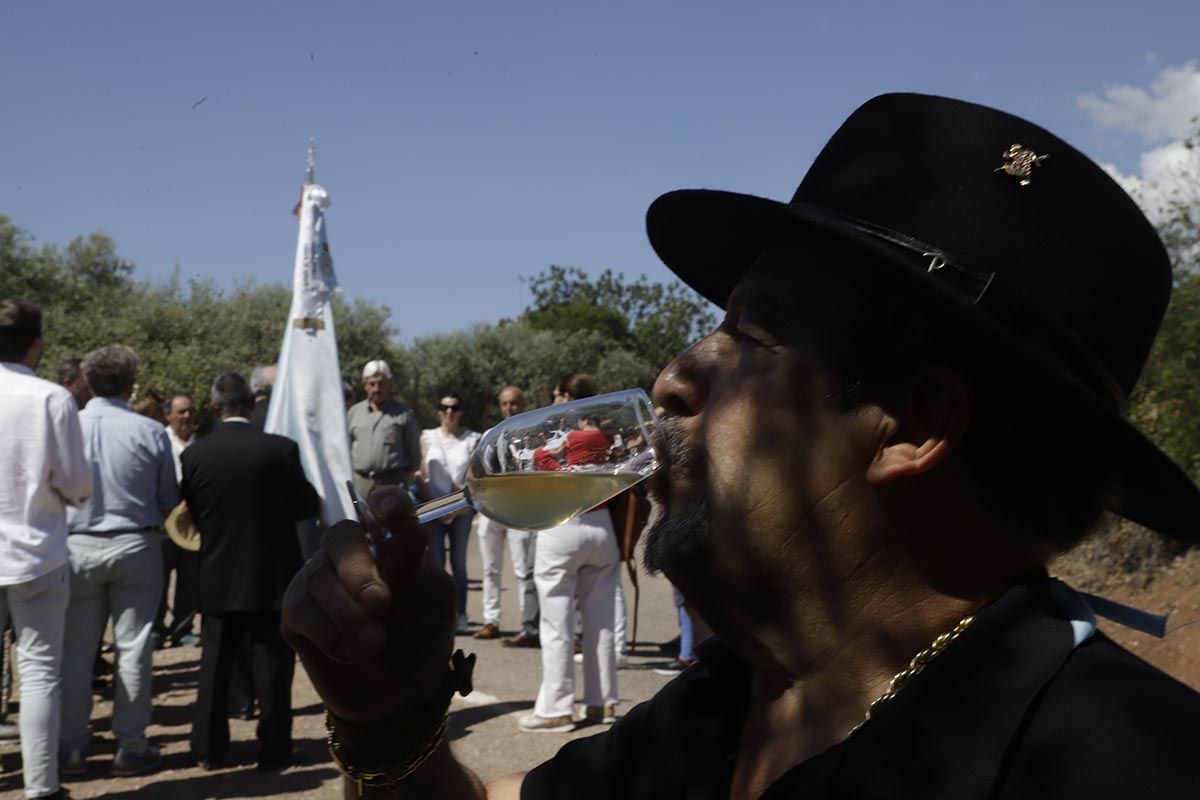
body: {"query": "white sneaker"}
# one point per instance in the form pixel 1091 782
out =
pixel 463 627
pixel 622 660
pixel 532 723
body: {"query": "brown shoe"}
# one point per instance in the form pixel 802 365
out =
pixel 490 630
pixel 522 639
pixel 602 715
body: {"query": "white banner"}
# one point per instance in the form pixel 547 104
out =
pixel 307 404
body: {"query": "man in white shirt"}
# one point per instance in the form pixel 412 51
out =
pixel 492 536
pixel 42 470
pixel 180 412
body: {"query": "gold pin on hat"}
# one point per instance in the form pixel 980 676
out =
pixel 1021 161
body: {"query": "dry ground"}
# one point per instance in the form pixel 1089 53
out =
pixel 483 726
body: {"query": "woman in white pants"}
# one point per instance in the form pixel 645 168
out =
pixel 577 559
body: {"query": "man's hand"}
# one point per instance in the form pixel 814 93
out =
pixel 374 634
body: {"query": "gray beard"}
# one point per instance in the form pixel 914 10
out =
pixel 672 543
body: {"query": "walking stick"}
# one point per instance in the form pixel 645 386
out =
pixel 6 677
pixel 630 540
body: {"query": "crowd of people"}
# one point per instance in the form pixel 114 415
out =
pixel 88 483
pixel 96 477
pixel 569 589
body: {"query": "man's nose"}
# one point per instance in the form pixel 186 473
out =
pixel 682 387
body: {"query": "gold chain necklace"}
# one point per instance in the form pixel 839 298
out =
pixel 918 663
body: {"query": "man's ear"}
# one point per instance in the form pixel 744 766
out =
pixel 926 422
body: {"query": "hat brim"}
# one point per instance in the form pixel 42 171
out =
pixel 181 529
pixel 711 238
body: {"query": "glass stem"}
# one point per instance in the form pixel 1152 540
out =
pixel 436 509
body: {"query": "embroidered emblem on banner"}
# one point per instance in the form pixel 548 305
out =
pixel 1021 161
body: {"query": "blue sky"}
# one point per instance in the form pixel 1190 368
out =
pixel 468 144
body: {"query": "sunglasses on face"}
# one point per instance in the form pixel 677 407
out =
pixel 450 409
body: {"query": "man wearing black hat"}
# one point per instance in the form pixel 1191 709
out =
pixel 914 402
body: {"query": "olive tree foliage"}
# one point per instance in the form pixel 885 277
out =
pixel 653 321
pixel 185 333
pixel 622 333
pixel 478 363
pixel 1166 404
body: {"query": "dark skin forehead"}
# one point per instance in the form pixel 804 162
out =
pixel 793 296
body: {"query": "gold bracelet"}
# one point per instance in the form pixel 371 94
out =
pixel 386 776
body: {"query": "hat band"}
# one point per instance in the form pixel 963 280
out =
pixel 1013 306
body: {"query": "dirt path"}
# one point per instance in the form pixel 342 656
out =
pixel 482 729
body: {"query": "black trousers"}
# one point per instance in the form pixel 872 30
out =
pixel 187 590
pixel 272 665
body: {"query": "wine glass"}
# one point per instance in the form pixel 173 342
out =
pixel 538 469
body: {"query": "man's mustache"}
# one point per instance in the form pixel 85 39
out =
pixel 675 449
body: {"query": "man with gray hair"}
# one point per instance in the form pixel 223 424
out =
pixel 116 563
pixel 262 380
pixel 246 490
pixel 385 438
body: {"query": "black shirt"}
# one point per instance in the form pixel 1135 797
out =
pixel 1012 709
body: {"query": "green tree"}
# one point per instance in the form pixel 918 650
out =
pixel 478 363
pixel 1166 404
pixel 659 320
pixel 184 334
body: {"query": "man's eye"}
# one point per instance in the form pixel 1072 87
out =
pixel 732 331
pixel 747 333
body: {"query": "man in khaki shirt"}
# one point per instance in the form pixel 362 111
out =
pixel 385 438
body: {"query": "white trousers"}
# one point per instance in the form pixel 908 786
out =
pixel 618 618
pixel 37 609
pixel 119 575
pixel 521 544
pixel 577 559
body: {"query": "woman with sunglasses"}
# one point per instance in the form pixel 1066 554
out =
pixel 445 452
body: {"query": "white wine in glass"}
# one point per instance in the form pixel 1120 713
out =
pixel 538 469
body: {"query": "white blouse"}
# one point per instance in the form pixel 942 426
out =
pixel 446 459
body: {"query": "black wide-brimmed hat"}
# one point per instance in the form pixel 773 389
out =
pixel 1024 239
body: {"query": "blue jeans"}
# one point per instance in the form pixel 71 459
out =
pixel 459 531
pixel 686 653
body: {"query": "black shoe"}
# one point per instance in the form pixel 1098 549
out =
pixel 209 764
pixel 279 762
pixel 244 713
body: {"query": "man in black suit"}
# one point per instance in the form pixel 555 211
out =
pixel 245 489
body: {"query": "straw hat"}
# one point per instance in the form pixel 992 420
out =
pixel 182 528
